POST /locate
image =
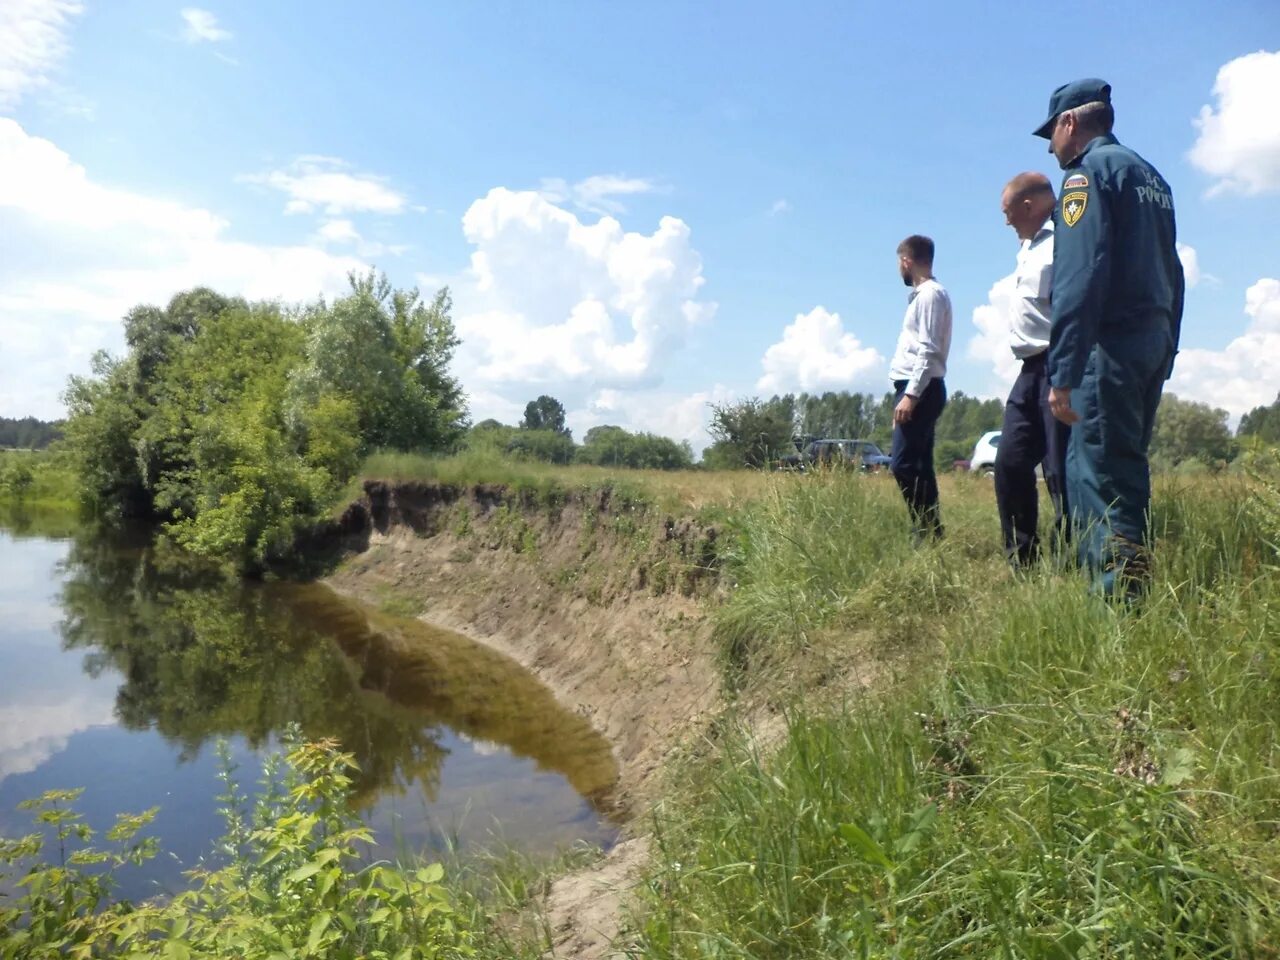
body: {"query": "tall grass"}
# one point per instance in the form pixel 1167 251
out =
pixel 1054 777
pixel 677 490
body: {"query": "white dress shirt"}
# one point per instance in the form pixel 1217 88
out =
pixel 925 340
pixel 1030 315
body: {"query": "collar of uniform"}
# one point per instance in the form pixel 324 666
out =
pixel 1104 140
pixel 1043 234
pixel 916 290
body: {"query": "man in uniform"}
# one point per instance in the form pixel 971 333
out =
pixel 1117 314
pixel 916 371
pixel 1030 435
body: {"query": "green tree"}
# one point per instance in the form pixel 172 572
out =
pixel 550 446
pixel 388 353
pixel 1189 431
pixel 964 419
pixel 1262 423
pixel 28 433
pixel 616 447
pixel 236 423
pixel 545 413
pixel 749 433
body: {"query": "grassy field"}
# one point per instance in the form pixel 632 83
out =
pixel 1034 773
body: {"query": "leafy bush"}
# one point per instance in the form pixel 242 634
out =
pixel 295 884
pixel 236 422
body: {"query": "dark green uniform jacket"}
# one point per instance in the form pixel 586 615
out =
pixel 1115 262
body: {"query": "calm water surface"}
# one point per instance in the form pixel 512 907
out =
pixel 121 665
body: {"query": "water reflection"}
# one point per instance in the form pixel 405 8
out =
pixel 202 655
pixel 128 659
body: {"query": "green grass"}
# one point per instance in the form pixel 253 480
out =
pixel 37 479
pixel 1047 777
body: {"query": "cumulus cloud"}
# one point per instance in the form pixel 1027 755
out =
pixel 1190 264
pixel 32 43
pixel 31 733
pixel 596 194
pixel 326 183
pixel 779 207
pixel 338 231
pixel 1242 375
pixel 553 300
pixel 991 343
pixel 80 253
pixel 1239 141
pixel 816 353
pixel 201 26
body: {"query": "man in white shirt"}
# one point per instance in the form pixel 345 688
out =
pixel 918 366
pixel 1030 435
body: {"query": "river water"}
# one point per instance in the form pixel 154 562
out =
pixel 122 665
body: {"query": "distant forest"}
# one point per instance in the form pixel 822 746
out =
pixel 28 433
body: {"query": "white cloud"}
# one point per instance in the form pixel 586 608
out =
pixel 1190 264
pixel 991 344
pixel 551 300
pixel 344 233
pixel 324 183
pixel 202 27
pixel 32 733
pixel 780 206
pixel 1239 142
pixel 338 231
pixel 817 354
pixel 80 253
pixel 32 43
pixel 1242 375
pixel 596 194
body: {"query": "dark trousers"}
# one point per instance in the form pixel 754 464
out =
pixel 1030 437
pixel 911 460
pixel 1108 478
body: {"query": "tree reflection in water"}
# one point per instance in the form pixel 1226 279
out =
pixel 202 655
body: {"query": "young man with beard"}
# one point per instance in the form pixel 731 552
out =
pixel 1117 314
pixel 918 366
pixel 1030 435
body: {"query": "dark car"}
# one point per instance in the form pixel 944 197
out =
pixel 862 454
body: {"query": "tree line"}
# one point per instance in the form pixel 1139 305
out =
pixel 755 432
pixel 543 435
pixel 28 433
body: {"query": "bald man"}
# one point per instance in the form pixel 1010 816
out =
pixel 1030 436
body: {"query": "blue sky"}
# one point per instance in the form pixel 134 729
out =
pixel 633 203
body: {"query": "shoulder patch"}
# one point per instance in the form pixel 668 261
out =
pixel 1073 205
pixel 1077 181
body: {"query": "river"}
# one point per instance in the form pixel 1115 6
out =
pixel 122 664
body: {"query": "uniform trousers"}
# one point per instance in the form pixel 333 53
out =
pixel 1029 437
pixel 1108 476
pixel 911 459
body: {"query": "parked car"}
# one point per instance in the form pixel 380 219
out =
pixel 862 454
pixel 983 458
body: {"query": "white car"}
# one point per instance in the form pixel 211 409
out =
pixel 983 459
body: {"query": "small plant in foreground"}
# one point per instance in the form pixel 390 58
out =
pixel 295 884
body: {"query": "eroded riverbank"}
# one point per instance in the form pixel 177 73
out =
pixel 603 601
pixel 600 600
